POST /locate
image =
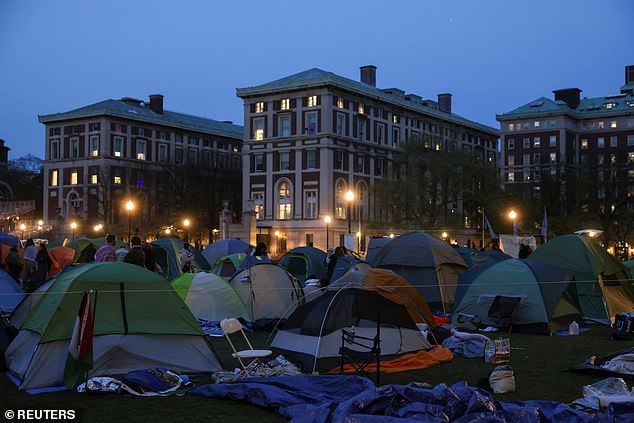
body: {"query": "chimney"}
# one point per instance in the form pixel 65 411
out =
pixel 570 95
pixel 156 103
pixel 628 88
pixel 444 102
pixel 368 75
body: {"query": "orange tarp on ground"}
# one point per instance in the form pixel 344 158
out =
pixel 420 360
pixel 63 255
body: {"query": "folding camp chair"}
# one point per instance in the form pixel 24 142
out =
pixel 360 351
pixel 232 325
pixel 503 310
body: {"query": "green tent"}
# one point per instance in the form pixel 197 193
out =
pixel 85 248
pixel 209 297
pixel 140 322
pixel 630 265
pixel 304 262
pixel 228 265
pixel 168 256
pixel 602 285
pixel 544 308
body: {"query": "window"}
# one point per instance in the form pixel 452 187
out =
pixel 54 132
pixel 510 177
pixel 610 105
pixel 258 200
pixel 395 119
pixel 285 160
pixel 613 142
pixel 527 143
pixel 94 145
pixel 54 175
pixel 74 147
pixel 536 158
pixel 511 127
pixel 600 159
pixel 340 123
pixel 312 100
pixel 193 140
pixel 310 239
pixel 552 123
pixel 192 156
pixel 396 137
pixel 311 123
pixel 360 163
pixel 536 124
pixel 284 201
pixel 613 159
pixel 553 157
pixel 140 149
pixel 600 142
pixel 55 149
pixel 510 160
pixel 259 162
pixel 178 155
pixel 630 157
pixel 310 204
pixel 526 160
pixel 630 140
pixel 511 143
pixel 117 180
pixel 162 152
pixel 178 138
pixel 118 146
pixel 613 124
pixel 285 126
pixel 286 104
pixel 340 103
pixel 601 125
pixel 584 143
pixel 362 127
pixel 361 109
pixel 94 179
pixel 380 133
pixel 379 167
pixel 525 125
pixel 258 129
pixel 259 107
pixel 536 142
pixel 340 192
pixel 553 141
pixel 338 160
pixel 311 159
pixel 73 177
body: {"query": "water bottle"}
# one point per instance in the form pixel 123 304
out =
pixel 573 328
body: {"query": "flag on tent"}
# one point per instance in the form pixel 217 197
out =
pixel 544 231
pixel 79 359
pixel 488 225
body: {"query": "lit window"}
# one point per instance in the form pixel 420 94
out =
pixel 361 109
pixel 630 157
pixel 258 200
pixel 93 179
pixel 610 105
pixel 140 149
pixel 394 118
pixel 312 100
pixel 553 157
pixel 94 145
pixel 536 142
pixel 630 140
pixel 340 102
pixel 286 104
pixel 285 126
pixel 511 127
pixel 54 178
pixel 73 177
pixel 613 124
pixel 284 201
pixel 259 107
pixel 310 204
pixel 510 160
pixel 118 146
pixel 258 129
pixel 584 143
pixel 511 177
pixel 340 192
pixel 536 124
pixel 601 125
pixel 117 180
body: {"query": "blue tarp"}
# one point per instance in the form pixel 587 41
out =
pixel 341 398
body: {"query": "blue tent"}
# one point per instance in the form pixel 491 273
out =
pixel 343 264
pixel 223 248
pixel 10 293
pixel 10 240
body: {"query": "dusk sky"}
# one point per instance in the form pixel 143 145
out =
pixel 492 56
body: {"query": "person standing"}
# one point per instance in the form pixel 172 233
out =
pixel 30 267
pixel 261 250
pixel 136 255
pixel 43 262
pixel 14 262
pixel 106 252
pixel 150 258
pixel 339 252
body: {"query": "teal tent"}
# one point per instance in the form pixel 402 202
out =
pixel 304 262
pixel 228 265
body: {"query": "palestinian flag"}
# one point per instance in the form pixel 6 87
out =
pixel 79 359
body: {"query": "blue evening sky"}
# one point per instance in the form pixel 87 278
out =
pixel 492 56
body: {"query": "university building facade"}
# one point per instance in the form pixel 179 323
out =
pixel 311 137
pixel 100 156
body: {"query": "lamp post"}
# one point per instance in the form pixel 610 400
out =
pixel 349 200
pixel 129 207
pixel 513 217
pixel 22 227
pixel 327 219
pixel 186 225
pixel 73 226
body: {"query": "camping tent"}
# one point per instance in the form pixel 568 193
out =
pixel 209 297
pixel 602 285
pixel 222 248
pixel 304 262
pixel 474 258
pixel 344 263
pixel 511 244
pixel 140 322
pixel 10 293
pixel 311 336
pixel 168 256
pixel 388 284
pixel 374 246
pixel 63 255
pixel 228 265
pixel 428 263
pixel 268 291
pixel 10 240
pixel 630 265
pixel 545 306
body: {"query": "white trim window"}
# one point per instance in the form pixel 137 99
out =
pixel 258 162
pixel 74 177
pixel 311 159
pixel 54 149
pixel 54 178
pixel 341 124
pixel 162 152
pixel 141 149
pixel 310 204
pixel 74 147
pixel 285 104
pixel 600 142
pixel 259 107
pixel 311 123
pixel 340 199
pixel 94 145
pixel 285 160
pixel 284 200
pixel 380 133
pixel 258 202
pixel 258 129
pixel 285 126
pixel 118 146
pixel 312 100
pixel 537 142
pixel 553 141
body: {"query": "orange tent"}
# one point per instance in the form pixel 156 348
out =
pixel 63 255
pixel 5 253
pixel 55 268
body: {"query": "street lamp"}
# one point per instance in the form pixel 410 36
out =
pixel 129 207
pixel 98 227
pixel 186 225
pixel 444 236
pixel 327 219
pixel 513 217
pixel 22 227
pixel 349 200
pixel 73 226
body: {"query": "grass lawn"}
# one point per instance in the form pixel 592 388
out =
pixel 538 362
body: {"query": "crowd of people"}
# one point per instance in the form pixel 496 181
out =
pixel 32 270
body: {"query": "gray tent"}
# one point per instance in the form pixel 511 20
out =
pixel 428 263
